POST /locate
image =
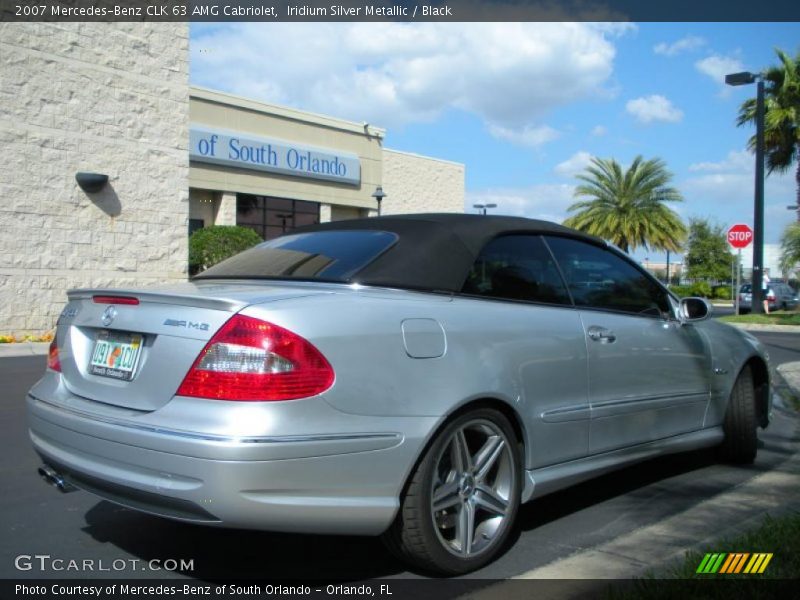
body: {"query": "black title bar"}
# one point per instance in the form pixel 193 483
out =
pixel 399 10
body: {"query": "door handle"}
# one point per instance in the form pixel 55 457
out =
pixel 601 334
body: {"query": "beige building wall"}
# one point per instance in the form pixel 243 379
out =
pixel 102 97
pixel 212 109
pixel 419 184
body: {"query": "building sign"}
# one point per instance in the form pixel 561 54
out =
pixel 231 149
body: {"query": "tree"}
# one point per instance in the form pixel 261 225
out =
pixel 708 256
pixel 790 247
pixel 781 116
pixel 628 208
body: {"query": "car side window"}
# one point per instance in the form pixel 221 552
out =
pixel 517 267
pixel 598 278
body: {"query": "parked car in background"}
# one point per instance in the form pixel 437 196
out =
pixel 780 296
pixel 415 377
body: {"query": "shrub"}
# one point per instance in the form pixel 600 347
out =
pixel 701 289
pixel 681 291
pixel 210 245
pixel 722 292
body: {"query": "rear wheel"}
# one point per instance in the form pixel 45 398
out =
pixel 462 499
pixel 740 425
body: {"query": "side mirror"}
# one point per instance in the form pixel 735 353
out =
pixel 694 309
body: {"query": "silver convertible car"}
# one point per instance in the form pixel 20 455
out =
pixel 415 377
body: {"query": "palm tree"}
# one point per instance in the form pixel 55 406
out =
pixel 781 116
pixel 628 208
pixel 790 247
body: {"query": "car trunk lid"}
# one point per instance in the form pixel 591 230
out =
pixel 132 348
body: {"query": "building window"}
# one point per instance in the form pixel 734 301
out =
pixel 270 217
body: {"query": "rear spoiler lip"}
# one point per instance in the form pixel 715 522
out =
pixel 198 301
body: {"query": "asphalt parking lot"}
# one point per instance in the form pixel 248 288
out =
pixel 36 519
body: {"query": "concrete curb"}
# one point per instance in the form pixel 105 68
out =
pixel 773 328
pixel 790 372
pixel 24 349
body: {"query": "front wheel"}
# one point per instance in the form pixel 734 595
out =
pixel 461 502
pixel 741 439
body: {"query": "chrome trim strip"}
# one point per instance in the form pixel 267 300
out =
pixel 211 437
pixel 562 414
pixel 626 401
pixel 617 408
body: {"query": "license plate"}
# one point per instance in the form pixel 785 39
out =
pixel 115 354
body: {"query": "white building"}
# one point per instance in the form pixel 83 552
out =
pixel 124 109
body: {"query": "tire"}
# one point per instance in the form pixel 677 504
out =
pixel 741 439
pixel 473 471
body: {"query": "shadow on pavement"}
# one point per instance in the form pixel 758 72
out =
pixel 240 554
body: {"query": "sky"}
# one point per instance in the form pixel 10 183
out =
pixel 524 106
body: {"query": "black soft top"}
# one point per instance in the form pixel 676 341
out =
pixel 435 251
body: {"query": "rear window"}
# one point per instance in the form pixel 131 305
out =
pixel 317 255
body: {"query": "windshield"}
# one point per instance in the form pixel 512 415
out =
pixel 322 255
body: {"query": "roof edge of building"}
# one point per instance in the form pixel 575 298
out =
pixel 211 95
pixel 424 157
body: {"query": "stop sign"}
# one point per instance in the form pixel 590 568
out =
pixel 740 235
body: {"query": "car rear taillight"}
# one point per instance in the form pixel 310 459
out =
pixel 253 360
pixel 53 361
pixel 770 296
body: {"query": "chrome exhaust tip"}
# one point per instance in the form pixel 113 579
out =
pixel 55 479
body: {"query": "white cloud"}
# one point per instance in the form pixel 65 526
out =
pixel 509 74
pixel 716 67
pixel 725 188
pixel 548 202
pixel 686 44
pixel 599 130
pixel 574 164
pixel 648 109
pixel 737 161
pixel 529 136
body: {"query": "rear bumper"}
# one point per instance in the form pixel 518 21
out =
pixel 328 482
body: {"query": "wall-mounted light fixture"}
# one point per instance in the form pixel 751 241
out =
pixel 379 196
pixel 91 182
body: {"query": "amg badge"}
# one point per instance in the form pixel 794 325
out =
pixel 187 324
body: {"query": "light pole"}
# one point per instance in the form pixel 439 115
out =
pixel 746 78
pixel 482 207
pixel 379 196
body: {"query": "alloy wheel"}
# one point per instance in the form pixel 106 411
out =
pixel 472 484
